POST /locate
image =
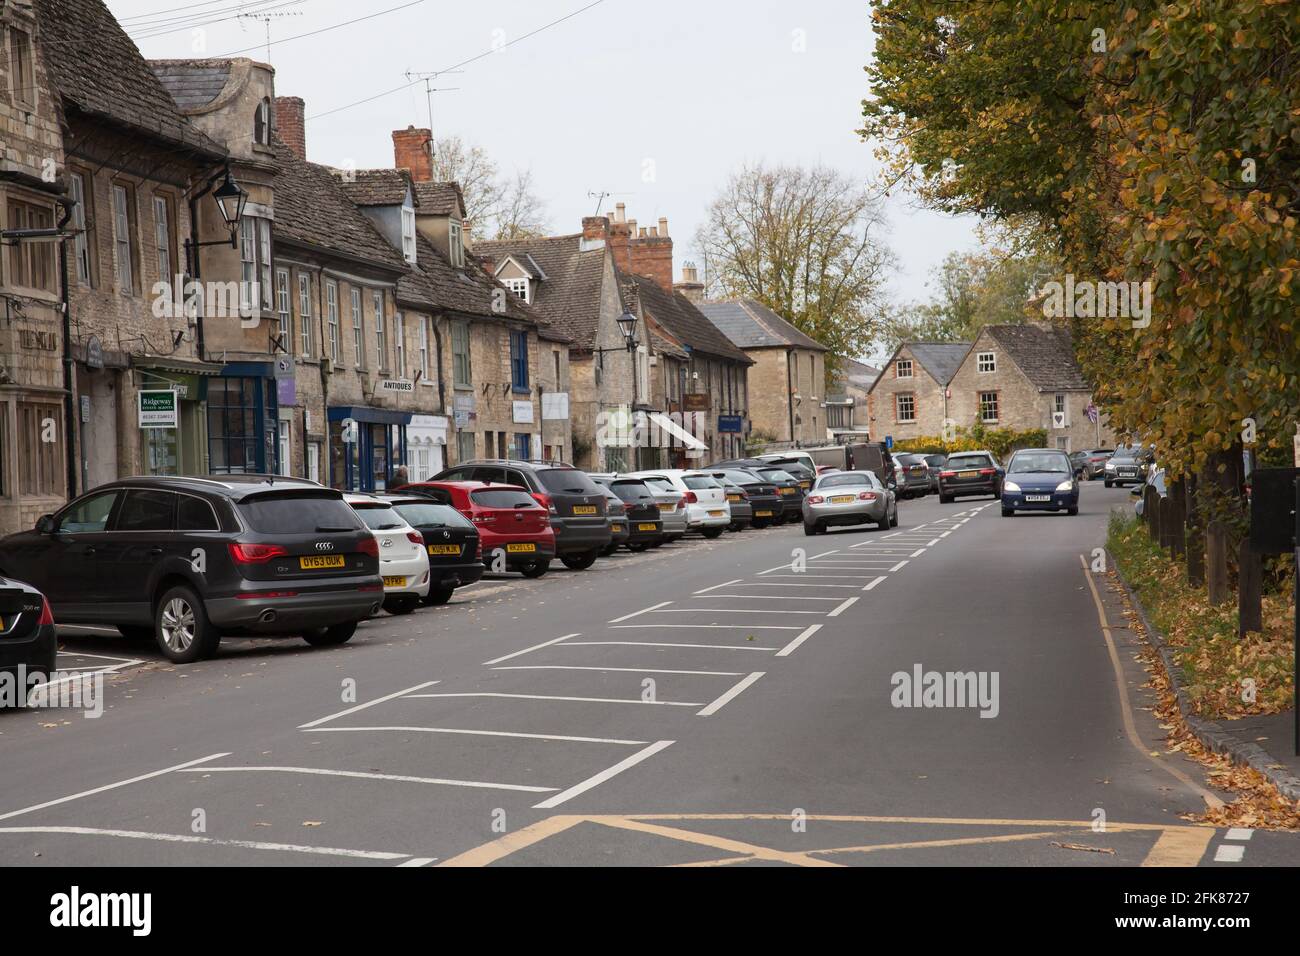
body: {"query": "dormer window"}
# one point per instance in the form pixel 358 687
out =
pixel 456 237
pixel 519 287
pixel 408 234
pixel 262 123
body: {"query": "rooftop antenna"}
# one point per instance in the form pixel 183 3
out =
pixel 430 89
pixel 266 18
pixel 600 198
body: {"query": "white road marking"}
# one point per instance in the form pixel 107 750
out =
pixel 479 733
pixel 722 585
pixel 712 647
pixel 527 650
pixel 1239 833
pixel 580 700
pixel 1229 853
pixel 360 775
pixel 606 774
pixel 874 583
pixel 353 710
pixel 932 542
pixel 687 627
pixel 730 695
pixel 633 670
pixel 917 553
pixel 212 841
pixel 806 576
pixel 773 597
pixel 945 534
pixel 897 567
pixel 843 607
pixel 419 861
pixel 652 607
pixel 790 648
pixel 822 555
pixel 783 584
pixel 894 535
pixel 730 610
pixel 872 565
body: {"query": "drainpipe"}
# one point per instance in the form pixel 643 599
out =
pixel 69 406
pixel 789 393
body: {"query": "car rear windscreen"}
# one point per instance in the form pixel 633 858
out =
pixel 567 481
pixel 848 478
pixel 958 462
pixel 504 498
pixel 661 485
pixel 776 474
pixel 633 491
pixel 379 517
pixel 298 513
pixel 700 482
pixel 433 516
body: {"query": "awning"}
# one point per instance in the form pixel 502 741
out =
pixel 362 413
pixel 177 366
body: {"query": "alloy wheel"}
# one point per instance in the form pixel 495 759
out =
pixel 178 625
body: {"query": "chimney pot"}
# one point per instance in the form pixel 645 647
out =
pixel 663 227
pixel 620 212
pixel 291 125
pixel 642 233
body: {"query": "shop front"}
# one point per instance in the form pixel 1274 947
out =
pixel 169 400
pixel 243 420
pixel 426 444
pixel 365 446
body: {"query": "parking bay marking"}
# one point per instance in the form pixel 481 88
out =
pixel 730 695
pixel 875 582
pixel 728 610
pixel 633 670
pixel 743 627
pixel 215 841
pixel 644 610
pixel 353 710
pixel 773 597
pixel 710 647
pixel 793 645
pixel 606 774
pixel 580 700
pixel 535 647
pixel 843 607
pixel 364 775
pixel 783 584
pixel 715 587
pixel 480 733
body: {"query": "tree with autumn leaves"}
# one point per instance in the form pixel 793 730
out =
pixel 1145 142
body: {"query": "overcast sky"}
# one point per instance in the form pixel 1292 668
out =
pixel 655 102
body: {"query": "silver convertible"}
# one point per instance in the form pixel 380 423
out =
pixel 848 497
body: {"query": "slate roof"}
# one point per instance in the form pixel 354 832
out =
pixel 752 325
pixel 440 199
pixel 569 298
pixel 940 359
pixel 684 321
pixel 193 84
pixel 374 187
pixel 859 373
pixel 663 342
pixel 311 208
pixel 99 71
pixel 1045 353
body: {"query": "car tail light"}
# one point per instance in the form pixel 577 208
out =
pixel 987 471
pixel 947 474
pixel 47 616
pixel 265 595
pixel 370 546
pixel 690 498
pixel 483 517
pixel 866 496
pixel 681 505
pixel 371 587
pixel 816 500
pixel 258 553
pixel 545 501
pixel 415 537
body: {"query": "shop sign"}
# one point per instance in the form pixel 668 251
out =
pixel 158 409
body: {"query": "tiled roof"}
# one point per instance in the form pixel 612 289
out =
pixel 440 199
pixel 940 359
pixel 192 83
pixel 98 70
pixel 373 187
pixel 684 321
pixel 311 207
pixel 569 298
pixel 1045 353
pixel 859 373
pixel 752 325
pixel 663 342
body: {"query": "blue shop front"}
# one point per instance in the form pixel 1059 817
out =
pixel 366 445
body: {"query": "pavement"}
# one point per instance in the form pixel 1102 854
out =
pixel 960 690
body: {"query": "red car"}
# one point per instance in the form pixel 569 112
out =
pixel 513 525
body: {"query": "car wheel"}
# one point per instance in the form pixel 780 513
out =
pixel 945 499
pixel 809 529
pixel 1072 511
pixel 1008 513
pixel 712 533
pixel 1109 483
pixel 894 521
pixel 330 636
pixel 404 604
pixel 439 595
pixel 181 627
pixel 535 569
pixel 580 562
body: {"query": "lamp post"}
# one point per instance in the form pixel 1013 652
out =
pixel 231 200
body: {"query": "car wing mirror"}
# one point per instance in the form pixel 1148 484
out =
pixel 45 524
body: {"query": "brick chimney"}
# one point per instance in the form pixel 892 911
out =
pixel 691 286
pixel 290 123
pixel 413 151
pixel 595 229
pixel 646 251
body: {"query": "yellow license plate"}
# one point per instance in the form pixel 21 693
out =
pixel 646 527
pixel 665 507
pixel 2 624
pixel 967 474
pixel 394 581
pixel 787 491
pixel 841 499
pixel 733 497
pixel 805 485
pixel 617 528
pixel 323 561
pixel 521 548
pixel 716 514
pixel 762 514
pixel 444 549
pixel 584 509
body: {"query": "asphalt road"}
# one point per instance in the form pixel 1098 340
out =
pixel 710 703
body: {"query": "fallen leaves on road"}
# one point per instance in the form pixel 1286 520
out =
pixel 1083 846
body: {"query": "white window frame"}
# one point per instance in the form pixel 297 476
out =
pixel 408 234
pixel 332 317
pixel 898 407
pixel 381 333
pixel 997 407
pixel 162 231
pixel 460 335
pixel 456 242
pixel 304 311
pixel 122 238
pixel 899 365
pixel 424 350
pixel 284 306
pixel 986 363
pixel 358 329
pixel 519 287
pixel 81 244
pixel 399 343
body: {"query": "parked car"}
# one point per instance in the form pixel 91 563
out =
pixel 576 505
pixel 794 457
pixel 936 464
pixel 672 506
pixel 764 502
pixel 403 562
pixel 1040 479
pixel 644 521
pixel 848 498
pixel 450 539
pixel 1128 465
pixel 788 489
pixel 912 476
pixel 1092 461
pixel 970 473
pixel 187 561
pixel 742 512
pixel 707 510
pixel 514 528
pixel 1156 479
pixel 28 645
pixel 616 514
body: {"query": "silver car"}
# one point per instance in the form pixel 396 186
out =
pixel 848 497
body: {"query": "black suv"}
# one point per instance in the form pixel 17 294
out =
pixel 187 561
pixel 576 505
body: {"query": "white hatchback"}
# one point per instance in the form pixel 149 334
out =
pixel 403 561
pixel 707 510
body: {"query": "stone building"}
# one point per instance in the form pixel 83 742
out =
pixel 788 378
pixel 910 398
pixel 848 404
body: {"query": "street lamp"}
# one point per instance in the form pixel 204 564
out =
pixel 231 200
pixel 627 323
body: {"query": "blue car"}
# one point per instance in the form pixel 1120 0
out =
pixel 1040 479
